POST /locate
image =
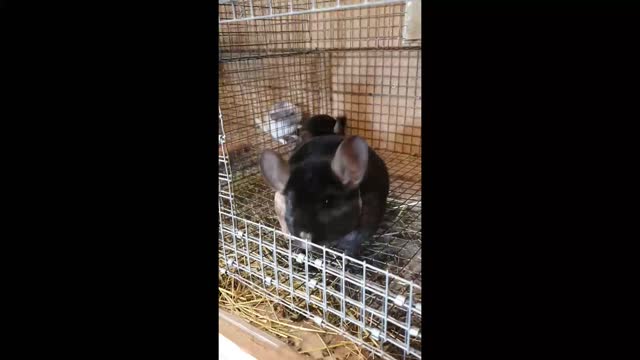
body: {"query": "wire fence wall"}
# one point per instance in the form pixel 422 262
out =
pixel 335 291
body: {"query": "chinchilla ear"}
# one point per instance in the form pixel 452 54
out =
pixel 350 161
pixel 274 170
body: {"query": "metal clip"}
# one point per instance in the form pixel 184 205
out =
pixel 399 300
pixel 375 333
pixel 313 283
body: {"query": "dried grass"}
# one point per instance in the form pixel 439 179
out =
pixel 258 310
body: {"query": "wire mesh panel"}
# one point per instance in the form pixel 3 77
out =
pixel 342 58
pixel 337 292
pixel 379 92
pixel 241 10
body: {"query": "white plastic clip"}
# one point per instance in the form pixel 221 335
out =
pixel 419 307
pixel 231 263
pixel 313 283
pixel 414 332
pixel 399 300
pixel 318 320
pixel 267 281
pixel 375 333
pixel 239 233
pixel 318 263
pixel 300 258
pixel 223 271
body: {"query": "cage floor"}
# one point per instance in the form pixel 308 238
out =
pixel 397 245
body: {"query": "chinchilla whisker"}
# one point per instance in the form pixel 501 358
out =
pixel 404 206
pixel 391 234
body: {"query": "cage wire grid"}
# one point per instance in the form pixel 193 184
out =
pixel 352 62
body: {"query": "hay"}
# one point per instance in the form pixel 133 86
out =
pixel 258 310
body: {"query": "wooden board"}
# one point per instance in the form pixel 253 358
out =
pixel 254 342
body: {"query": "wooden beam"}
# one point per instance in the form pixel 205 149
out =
pixel 251 340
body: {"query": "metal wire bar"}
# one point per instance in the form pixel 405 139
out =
pixel 365 28
pixel 301 8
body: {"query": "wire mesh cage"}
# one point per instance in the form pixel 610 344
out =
pixel 351 58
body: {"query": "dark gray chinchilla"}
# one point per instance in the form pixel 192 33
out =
pixel 319 125
pixel 332 191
